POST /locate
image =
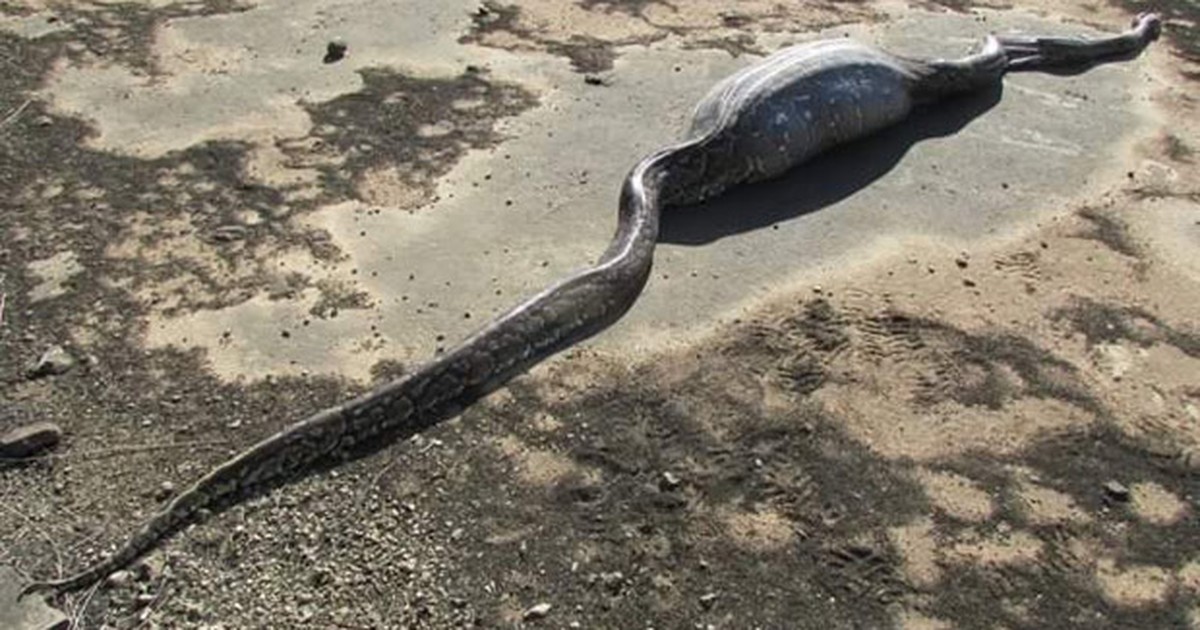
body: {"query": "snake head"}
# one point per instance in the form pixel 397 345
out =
pixel 1149 25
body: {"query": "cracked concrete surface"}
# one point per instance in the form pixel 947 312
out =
pixel 509 219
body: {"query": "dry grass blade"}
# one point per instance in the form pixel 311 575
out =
pixel 41 533
pixel 78 613
pixel 15 113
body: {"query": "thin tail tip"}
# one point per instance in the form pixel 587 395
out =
pixel 55 587
pixel 35 588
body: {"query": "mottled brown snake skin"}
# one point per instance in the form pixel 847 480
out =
pixel 756 124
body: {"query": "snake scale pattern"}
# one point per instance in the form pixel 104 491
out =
pixel 756 124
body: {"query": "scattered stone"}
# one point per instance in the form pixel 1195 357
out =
pixel 165 491
pixel 26 613
pixel 708 599
pixel 613 582
pixel 54 361
pixel 335 51
pixel 1115 360
pixel 594 79
pixel 29 440
pixel 670 481
pixel 119 579
pixel 1116 491
pixel 43 121
pixel 538 611
pixel 229 233
pixel 483 16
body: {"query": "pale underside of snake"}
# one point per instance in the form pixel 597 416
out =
pixel 754 125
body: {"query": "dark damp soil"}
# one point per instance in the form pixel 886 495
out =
pixel 1109 323
pixel 631 535
pixel 381 125
pixel 120 32
pixel 590 55
pixel 1111 231
pixel 587 54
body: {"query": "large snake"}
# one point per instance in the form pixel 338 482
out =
pixel 755 124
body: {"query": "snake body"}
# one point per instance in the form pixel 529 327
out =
pixel 756 124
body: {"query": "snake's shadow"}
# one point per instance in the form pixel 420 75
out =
pixel 825 180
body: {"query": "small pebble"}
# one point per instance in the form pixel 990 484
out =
pixel 29 440
pixel 1116 491
pixel 119 579
pixel 165 491
pixel 669 481
pixel 55 360
pixel 335 51
pixel 613 582
pixel 537 611
pixel 229 233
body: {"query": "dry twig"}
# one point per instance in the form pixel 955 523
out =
pixel 78 613
pixel 116 450
pixel 16 112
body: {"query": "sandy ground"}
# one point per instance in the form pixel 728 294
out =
pixel 956 390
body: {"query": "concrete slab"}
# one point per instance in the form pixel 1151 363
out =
pixel 30 613
pixel 511 219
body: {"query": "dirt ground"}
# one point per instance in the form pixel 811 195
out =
pixel 1002 437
